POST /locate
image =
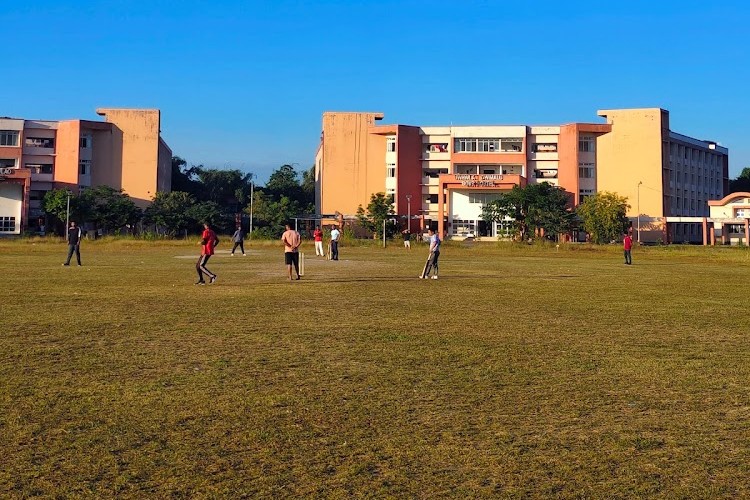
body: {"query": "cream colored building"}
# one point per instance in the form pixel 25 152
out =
pixel 667 177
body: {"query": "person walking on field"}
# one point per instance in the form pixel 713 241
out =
pixel 74 243
pixel 238 238
pixel 407 238
pixel 335 235
pixel 208 243
pixel 318 236
pixel 627 245
pixel 432 261
pixel 292 241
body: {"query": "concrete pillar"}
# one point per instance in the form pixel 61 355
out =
pixel 747 232
pixel 724 234
pixel 705 231
pixel 713 234
pixel 441 211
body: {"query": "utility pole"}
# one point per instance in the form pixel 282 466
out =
pixel 638 209
pixel 252 188
pixel 408 208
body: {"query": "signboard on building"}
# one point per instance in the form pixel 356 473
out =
pixel 479 180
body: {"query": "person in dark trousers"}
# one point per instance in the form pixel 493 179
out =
pixel 292 241
pixel 335 235
pixel 239 241
pixel 208 243
pixel 407 238
pixel 432 262
pixel 74 243
pixel 627 245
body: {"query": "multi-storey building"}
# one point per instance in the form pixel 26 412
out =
pixel 125 152
pixel 444 175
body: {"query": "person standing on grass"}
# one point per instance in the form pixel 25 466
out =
pixel 74 243
pixel 318 236
pixel 238 238
pixel 208 243
pixel 432 261
pixel 292 241
pixel 627 245
pixel 335 236
pixel 407 238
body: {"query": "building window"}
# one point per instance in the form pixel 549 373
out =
pixel 514 144
pixel 85 142
pixel 464 227
pixel 432 198
pixel 39 142
pixel 438 147
pixel 584 193
pixel 391 169
pixel 547 147
pixel 9 138
pixel 43 168
pixel 7 163
pixel 85 167
pixel 7 224
pixel 488 145
pixel 390 145
pixel 742 212
pixel 587 144
pixel 586 170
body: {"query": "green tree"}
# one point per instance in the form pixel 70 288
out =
pixel 207 212
pixel 603 216
pixel 741 183
pixel 270 215
pixel 108 208
pixel 532 208
pixel 308 189
pixel 171 211
pixel 378 210
pixel 55 204
pixel 183 178
pixel 226 188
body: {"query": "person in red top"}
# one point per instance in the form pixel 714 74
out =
pixel 318 236
pixel 208 243
pixel 627 245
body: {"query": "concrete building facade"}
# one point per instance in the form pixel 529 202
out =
pixel 125 152
pixel 442 176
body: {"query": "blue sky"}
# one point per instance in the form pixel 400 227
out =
pixel 243 84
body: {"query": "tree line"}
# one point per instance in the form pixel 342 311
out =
pixel 198 195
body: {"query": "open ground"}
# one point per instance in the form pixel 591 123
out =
pixel 522 371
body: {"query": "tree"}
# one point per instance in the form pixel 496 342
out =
pixel 226 188
pixel 108 208
pixel 171 211
pixel 379 209
pixel 308 189
pixel 183 178
pixel 532 208
pixel 603 216
pixel 55 203
pixel 741 183
pixel 207 212
pixel 270 215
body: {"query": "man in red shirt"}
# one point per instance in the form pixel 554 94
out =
pixel 318 236
pixel 292 241
pixel 208 242
pixel 627 245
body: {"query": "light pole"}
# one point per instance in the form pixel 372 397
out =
pixel 638 209
pixel 252 188
pixel 408 209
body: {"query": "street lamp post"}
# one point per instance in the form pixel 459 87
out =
pixel 638 209
pixel 408 208
pixel 252 188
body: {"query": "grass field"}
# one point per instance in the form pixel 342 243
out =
pixel 522 371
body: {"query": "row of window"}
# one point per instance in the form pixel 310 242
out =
pixel 475 145
pixel 10 138
pixel 678 151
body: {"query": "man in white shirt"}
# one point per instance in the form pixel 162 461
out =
pixel 335 235
pixel 432 261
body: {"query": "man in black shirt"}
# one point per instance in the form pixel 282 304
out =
pixel 74 243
